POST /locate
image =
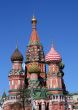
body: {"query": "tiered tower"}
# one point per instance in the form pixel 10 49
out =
pixel 16 75
pixel 35 52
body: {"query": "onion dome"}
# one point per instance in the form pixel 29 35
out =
pixel 16 56
pixel 34 68
pixel 53 56
pixel 61 65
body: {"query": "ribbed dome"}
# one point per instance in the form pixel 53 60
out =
pixel 33 68
pixel 52 56
pixel 17 56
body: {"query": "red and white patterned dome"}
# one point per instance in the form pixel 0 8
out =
pixel 53 55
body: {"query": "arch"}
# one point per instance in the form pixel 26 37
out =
pixel 16 106
pixel 39 106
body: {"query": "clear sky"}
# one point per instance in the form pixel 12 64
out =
pixel 57 22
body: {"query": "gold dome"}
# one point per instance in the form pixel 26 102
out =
pixel 34 68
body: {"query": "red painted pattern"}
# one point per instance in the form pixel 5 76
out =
pixel 53 55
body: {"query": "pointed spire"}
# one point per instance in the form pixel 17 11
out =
pixel 34 39
pixel 34 21
pixel 4 95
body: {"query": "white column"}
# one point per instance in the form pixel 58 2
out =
pixel 70 106
pixel 37 106
pixel 42 105
pixel 50 105
pixel 58 98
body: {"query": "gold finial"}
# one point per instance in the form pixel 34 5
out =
pixel 34 21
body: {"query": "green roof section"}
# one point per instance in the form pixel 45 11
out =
pixel 4 95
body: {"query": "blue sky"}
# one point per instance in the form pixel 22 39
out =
pixel 57 22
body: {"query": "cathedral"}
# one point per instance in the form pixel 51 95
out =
pixel 34 88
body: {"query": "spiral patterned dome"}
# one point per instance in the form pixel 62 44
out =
pixel 16 56
pixel 34 68
pixel 53 56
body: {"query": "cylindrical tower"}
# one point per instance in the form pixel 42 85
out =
pixel 55 74
pixel 34 72
pixel 16 75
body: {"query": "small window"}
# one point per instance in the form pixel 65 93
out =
pixel 18 82
pixel 12 82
